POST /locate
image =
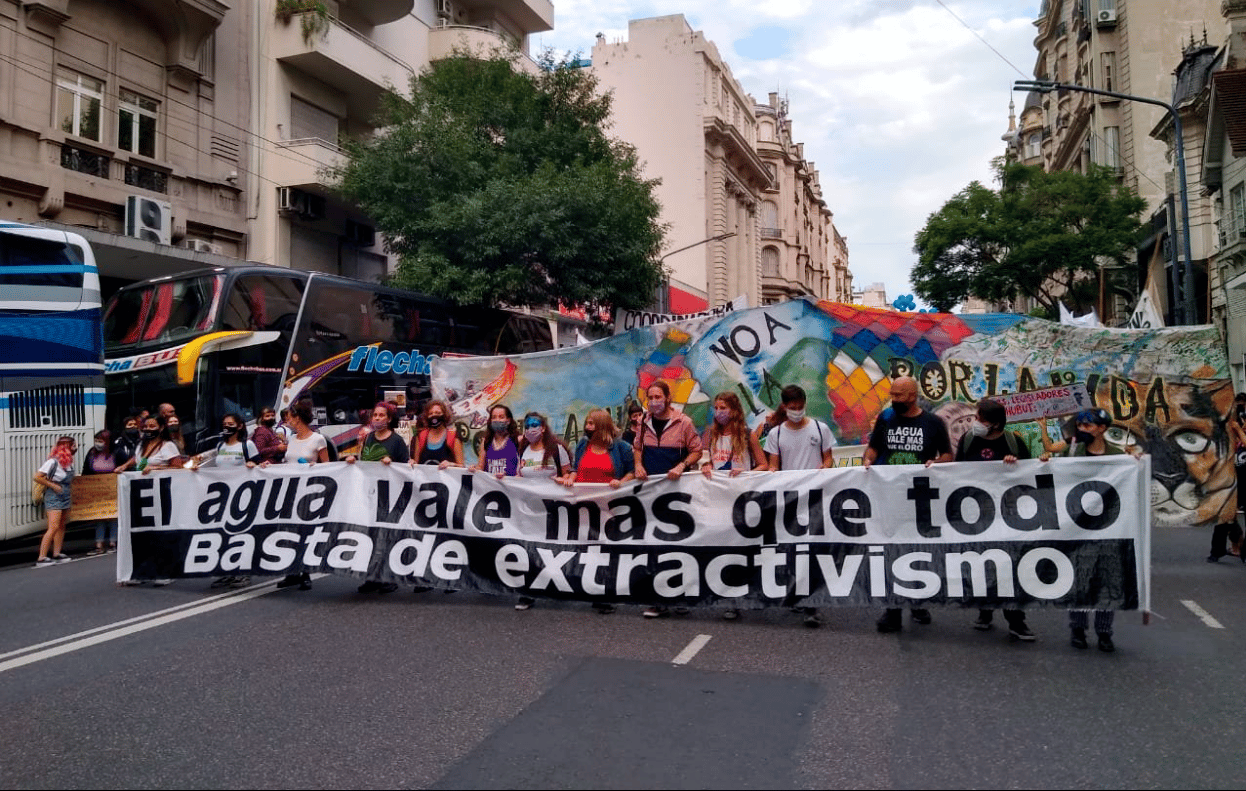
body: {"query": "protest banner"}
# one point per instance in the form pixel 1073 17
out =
pixel 1045 402
pixel 625 320
pixel 845 356
pixel 1066 533
pixel 93 497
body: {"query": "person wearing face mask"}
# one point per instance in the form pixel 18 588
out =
pixel 635 414
pixel 499 452
pixel 102 459
pixel 989 440
pixel 437 443
pixel 173 425
pixel 155 450
pixel 906 434
pixel 666 444
pixel 271 447
pixel 129 438
pixel 234 450
pixel 541 455
pixel 798 442
pixel 382 444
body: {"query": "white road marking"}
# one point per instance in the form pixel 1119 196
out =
pixel 113 631
pixel 1202 614
pixel 693 648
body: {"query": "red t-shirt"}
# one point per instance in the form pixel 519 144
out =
pixel 595 467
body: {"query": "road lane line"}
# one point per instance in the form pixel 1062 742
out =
pixel 693 648
pixel 113 631
pixel 1202 614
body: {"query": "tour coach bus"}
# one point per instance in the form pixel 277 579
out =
pixel 239 339
pixel 51 358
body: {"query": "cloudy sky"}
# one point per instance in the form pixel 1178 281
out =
pixel 900 103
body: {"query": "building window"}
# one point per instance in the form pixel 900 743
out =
pixel 769 262
pixel 1112 147
pixel 1237 211
pixel 1108 59
pixel 136 123
pixel 770 220
pixel 1034 146
pixel 309 121
pixel 83 161
pixel 78 101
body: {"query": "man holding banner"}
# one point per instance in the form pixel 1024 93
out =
pixel 906 434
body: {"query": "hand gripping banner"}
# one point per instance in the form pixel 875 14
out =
pixel 1066 533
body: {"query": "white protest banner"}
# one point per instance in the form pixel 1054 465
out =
pixel 1045 402
pixel 625 320
pixel 1066 533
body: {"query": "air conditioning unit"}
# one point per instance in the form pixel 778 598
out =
pixel 148 219
pixel 291 200
pixel 1106 18
pixel 200 246
pixel 444 10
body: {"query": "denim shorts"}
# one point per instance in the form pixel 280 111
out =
pixel 52 501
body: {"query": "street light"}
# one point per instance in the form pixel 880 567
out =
pixel 1189 313
pixel 663 302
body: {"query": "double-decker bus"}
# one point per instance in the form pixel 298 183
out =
pixel 51 358
pixel 239 339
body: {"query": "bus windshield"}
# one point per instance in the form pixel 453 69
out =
pixel 162 312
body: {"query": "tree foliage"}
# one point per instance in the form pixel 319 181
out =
pixel 1041 235
pixel 493 184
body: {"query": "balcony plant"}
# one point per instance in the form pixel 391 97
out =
pixel 313 16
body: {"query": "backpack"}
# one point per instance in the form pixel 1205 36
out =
pixel 246 457
pixel 779 447
pixel 1011 437
pixel 421 440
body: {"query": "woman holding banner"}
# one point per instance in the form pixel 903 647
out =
pixel 541 455
pixel 666 444
pixel 103 459
pixel 499 452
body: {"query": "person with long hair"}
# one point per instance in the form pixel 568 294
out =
pixel 103 459
pixel 382 444
pixel 437 442
pixel 155 450
pixel 499 450
pixel 305 446
pixel 541 455
pixel 728 445
pixel 666 444
pixel 57 474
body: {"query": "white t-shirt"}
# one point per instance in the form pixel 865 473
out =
pixel 165 454
pixel 720 454
pixel 54 472
pixel 232 456
pixel 800 448
pixel 306 449
pixel 530 463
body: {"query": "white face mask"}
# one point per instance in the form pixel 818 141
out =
pixel 979 429
pixel 795 415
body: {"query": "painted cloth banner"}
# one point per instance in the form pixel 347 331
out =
pixel 1066 533
pixel 1168 390
pixel 625 320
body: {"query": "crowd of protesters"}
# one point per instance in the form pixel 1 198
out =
pixel 657 440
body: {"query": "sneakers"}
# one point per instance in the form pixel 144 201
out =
pixel 1105 643
pixel 239 582
pixel 889 622
pixel 369 586
pixel 160 583
pixel 1078 639
pixel 921 616
pixel 304 581
pixel 983 624
pixel 524 603
pixel 810 618
pixel 222 582
pixel 43 563
pixel 731 615
pixel 62 558
pixel 602 608
pixel 1018 630
pixel 682 611
pixel 656 612
pixel 289 580
pixel 421 589
pixel 388 587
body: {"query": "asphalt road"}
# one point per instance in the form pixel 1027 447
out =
pixel 186 687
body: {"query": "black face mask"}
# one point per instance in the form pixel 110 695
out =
pixel 150 434
pixel 1083 438
pixel 436 422
pixel 270 422
pixel 229 429
pixel 132 433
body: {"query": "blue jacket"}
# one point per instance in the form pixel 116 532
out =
pixel 620 453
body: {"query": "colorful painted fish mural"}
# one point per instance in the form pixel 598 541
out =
pixel 1168 390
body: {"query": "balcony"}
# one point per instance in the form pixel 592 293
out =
pixel 480 41
pixel 379 12
pixel 532 16
pixel 303 163
pixel 771 233
pixel 342 58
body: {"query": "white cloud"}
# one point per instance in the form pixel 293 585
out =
pixel 897 102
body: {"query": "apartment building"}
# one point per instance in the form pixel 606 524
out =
pixel 745 210
pixel 1128 47
pixel 176 134
pixel 801 251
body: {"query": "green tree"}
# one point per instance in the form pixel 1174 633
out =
pixel 1041 235
pixel 493 184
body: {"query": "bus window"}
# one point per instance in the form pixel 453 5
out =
pixel 262 302
pixel 166 310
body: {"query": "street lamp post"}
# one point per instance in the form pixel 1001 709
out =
pixel 1189 312
pixel 664 303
